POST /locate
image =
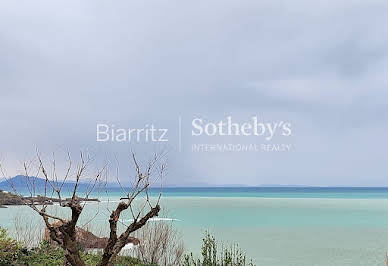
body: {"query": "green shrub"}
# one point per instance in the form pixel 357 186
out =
pixel 9 248
pixel 12 253
pixel 49 256
pixel 232 256
pixel 45 254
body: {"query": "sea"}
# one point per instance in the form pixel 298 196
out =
pixel 275 226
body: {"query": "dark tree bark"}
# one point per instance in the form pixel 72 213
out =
pixel 115 244
pixel 64 234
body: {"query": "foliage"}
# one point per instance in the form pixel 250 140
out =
pixel 232 256
pixel 42 255
pixel 9 248
pixel 12 253
pixel 93 259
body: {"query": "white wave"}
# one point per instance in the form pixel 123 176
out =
pixel 128 246
pixel 109 201
pixel 157 219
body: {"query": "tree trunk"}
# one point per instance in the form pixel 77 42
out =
pixel 72 255
pixel 73 259
pixel 115 244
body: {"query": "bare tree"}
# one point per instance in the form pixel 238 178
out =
pixel 62 230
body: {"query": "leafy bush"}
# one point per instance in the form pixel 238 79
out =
pixel 13 253
pixel 50 256
pixel 9 248
pixel 232 256
pixel 42 255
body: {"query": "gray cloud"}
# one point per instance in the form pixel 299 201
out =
pixel 322 66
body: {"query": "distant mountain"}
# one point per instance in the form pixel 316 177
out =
pixel 22 184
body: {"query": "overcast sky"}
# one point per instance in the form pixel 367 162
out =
pixel 66 66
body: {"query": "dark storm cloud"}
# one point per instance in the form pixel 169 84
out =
pixel 322 66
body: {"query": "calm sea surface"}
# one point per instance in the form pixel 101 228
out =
pixel 276 226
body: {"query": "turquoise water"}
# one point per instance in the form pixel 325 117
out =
pixel 271 192
pixel 280 192
pixel 257 192
pixel 276 226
